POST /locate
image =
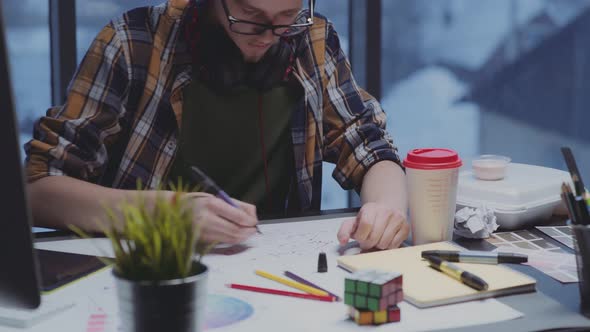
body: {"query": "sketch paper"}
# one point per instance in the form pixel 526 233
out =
pixel 289 246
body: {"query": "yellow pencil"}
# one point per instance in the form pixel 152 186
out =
pixel 290 283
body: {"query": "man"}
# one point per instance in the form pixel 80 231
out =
pixel 247 90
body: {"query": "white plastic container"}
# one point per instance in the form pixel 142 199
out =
pixel 527 195
pixel 490 167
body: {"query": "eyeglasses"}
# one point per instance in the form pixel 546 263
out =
pixel 303 20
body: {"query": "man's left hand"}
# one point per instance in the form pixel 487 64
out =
pixel 375 226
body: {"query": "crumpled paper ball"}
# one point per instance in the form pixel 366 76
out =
pixel 478 223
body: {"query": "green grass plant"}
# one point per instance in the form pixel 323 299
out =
pixel 153 241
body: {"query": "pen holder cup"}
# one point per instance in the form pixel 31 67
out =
pixel 582 245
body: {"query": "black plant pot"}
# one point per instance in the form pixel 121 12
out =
pixel 169 305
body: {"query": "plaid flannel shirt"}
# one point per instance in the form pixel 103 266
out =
pixel 123 111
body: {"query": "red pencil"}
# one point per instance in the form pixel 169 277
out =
pixel 281 292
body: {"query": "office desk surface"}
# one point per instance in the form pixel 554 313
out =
pixel 542 310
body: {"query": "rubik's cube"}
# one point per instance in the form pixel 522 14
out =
pixel 373 296
pixel 364 317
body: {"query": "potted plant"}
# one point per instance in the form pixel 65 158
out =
pixel 160 280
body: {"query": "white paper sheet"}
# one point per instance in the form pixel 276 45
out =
pixel 561 267
pixel 290 246
pixel 544 255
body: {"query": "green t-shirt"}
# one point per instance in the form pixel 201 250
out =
pixel 220 134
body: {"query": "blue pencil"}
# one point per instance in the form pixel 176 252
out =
pixel 303 281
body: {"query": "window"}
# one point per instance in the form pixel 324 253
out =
pixel 488 77
pixel 93 15
pixel 27 31
pixel 333 196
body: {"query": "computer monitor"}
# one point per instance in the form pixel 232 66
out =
pixel 24 272
pixel 19 279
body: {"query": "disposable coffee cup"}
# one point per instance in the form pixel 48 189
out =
pixel 432 176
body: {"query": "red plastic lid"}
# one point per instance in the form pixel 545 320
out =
pixel 432 159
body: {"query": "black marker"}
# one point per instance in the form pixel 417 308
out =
pixel 456 272
pixel 479 257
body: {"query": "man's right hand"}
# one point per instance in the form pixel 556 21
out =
pixel 221 222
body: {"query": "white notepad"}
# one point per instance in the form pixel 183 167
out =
pixel 426 287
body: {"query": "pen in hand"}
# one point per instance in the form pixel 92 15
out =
pixel 455 272
pixel 210 186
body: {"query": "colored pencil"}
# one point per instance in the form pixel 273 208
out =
pixel 281 292
pixel 576 206
pixel 294 284
pixel 584 215
pixel 568 200
pixel 308 283
pixel 209 185
pixel 570 161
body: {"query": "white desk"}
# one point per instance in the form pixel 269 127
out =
pixel 288 246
